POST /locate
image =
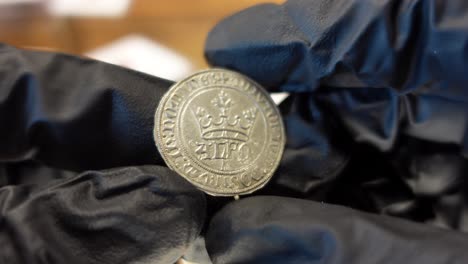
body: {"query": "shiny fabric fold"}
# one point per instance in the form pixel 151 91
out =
pixel 385 82
pixel 124 215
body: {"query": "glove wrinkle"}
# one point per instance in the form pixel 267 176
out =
pixel 308 148
pixel 269 229
pixel 112 216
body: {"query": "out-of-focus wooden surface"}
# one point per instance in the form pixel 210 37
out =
pixel 178 24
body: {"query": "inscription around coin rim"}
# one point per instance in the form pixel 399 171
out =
pixel 167 134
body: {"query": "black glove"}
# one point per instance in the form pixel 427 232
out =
pixel 61 116
pixel 270 229
pixel 377 120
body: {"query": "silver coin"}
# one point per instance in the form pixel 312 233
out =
pixel 221 131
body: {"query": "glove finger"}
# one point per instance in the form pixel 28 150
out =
pixel 75 113
pixel 312 145
pixel 272 229
pixel 359 43
pixel 141 214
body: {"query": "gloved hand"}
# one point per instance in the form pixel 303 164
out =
pixel 74 188
pixel 377 120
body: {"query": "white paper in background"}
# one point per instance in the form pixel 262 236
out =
pixel 142 54
pixel 279 97
pixel 101 8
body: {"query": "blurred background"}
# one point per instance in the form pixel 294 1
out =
pixel 162 38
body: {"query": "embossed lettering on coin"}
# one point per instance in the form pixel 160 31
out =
pixel 220 131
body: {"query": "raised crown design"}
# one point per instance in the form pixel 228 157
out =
pixel 224 125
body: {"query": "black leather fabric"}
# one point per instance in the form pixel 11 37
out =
pixel 377 121
pixel 61 119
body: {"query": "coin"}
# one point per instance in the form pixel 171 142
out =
pixel 221 131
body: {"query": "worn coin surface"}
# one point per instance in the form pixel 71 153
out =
pixel 221 131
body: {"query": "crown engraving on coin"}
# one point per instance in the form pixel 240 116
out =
pixel 224 126
pixel 223 133
pixel 220 131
